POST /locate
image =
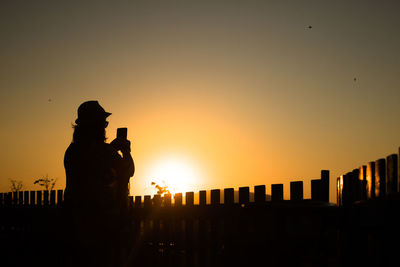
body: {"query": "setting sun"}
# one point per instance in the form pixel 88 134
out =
pixel 177 174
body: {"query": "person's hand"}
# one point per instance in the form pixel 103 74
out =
pixel 121 145
pixel 125 146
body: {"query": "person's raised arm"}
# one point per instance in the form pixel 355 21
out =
pixel 128 166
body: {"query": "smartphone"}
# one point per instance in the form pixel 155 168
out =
pixel 122 133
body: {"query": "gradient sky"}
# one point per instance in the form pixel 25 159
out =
pixel 242 91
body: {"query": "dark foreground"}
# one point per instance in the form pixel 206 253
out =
pixel 285 233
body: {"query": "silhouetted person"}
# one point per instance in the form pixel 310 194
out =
pixel 96 190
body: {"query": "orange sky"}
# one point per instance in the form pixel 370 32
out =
pixel 243 92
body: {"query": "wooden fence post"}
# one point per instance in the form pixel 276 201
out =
pixel 8 199
pixel 203 231
pixel 167 200
pixel 203 198
pixel 157 200
pixel 346 189
pixel 276 192
pixel 26 198
pixel 53 197
pixel 20 198
pixel 296 190
pixel 259 194
pixel 325 185
pixel 147 202
pixel 46 198
pixel 60 194
pixel 147 226
pixel 189 198
pixel 244 195
pixel 214 223
pixel 363 182
pixel 138 201
pixel 339 191
pixel 356 184
pixel 39 198
pixel 370 177
pixel 14 198
pixel 349 187
pixel 392 185
pixel 228 196
pixel 316 188
pixel 32 198
pixel 215 197
pixel 178 199
pixel 380 177
pixel 189 231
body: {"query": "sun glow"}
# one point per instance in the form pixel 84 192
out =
pixel 177 174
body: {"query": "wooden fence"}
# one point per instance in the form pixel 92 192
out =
pixel 225 228
pixel 31 198
pixel 319 192
pixel 376 179
pixel 369 200
pixel 221 229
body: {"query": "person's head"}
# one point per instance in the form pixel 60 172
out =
pixel 91 123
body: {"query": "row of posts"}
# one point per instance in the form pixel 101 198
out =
pixel 319 192
pixel 32 198
pixel 374 180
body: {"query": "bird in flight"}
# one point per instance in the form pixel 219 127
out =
pixel 310 27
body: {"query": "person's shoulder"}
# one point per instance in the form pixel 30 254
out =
pixel 72 148
pixel 75 149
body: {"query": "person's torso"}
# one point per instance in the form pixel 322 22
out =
pixel 92 174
